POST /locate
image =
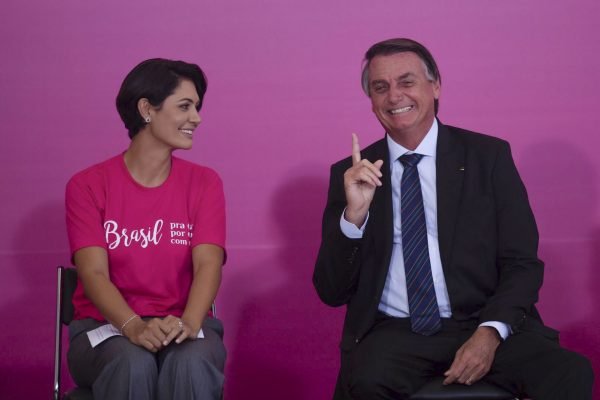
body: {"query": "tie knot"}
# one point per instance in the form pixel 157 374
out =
pixel 410 160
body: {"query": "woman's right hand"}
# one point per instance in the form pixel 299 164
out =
pixel 148 334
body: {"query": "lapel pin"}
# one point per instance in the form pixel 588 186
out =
pixel 461 168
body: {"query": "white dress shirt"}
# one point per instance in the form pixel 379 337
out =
pixel 394 300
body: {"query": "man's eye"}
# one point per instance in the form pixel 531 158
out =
pixel 379 89
pixel 407 83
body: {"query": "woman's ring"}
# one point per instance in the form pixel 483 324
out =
pixel 180 323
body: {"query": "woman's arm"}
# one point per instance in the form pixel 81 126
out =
pixel 92 269
pixel 207 262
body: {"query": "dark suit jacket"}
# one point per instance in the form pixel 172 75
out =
pixel 487 237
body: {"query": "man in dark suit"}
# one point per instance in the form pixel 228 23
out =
pixel 429 240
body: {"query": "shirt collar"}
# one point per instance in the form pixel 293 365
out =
pixel 427 147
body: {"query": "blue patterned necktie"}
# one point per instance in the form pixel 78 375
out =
pixel 424 310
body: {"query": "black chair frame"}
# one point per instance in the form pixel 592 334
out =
pixel 65 287
pixel 435 390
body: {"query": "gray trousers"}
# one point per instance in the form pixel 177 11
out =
pixel 117 369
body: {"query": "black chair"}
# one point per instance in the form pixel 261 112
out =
pixel 435 390
pixel 65 287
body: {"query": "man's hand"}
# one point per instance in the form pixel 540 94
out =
pixel 474 358
pixel 360 182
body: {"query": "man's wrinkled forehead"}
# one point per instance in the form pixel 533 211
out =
pixel 399 66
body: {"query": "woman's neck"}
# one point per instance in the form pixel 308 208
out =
pixel 148 165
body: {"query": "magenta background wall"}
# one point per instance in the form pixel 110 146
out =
pixel 283 98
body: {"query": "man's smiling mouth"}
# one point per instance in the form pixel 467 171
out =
pixel 401 110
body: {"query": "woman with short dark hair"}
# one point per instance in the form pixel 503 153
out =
pixel 147 235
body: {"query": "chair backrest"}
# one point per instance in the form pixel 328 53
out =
pixel 69 284
pixel 65 287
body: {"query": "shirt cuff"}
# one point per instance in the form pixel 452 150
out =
pixel 350 230
pixel 503 329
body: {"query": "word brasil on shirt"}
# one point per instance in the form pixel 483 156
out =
pixel 180 234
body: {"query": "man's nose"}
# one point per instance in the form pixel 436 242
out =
pixel 395 95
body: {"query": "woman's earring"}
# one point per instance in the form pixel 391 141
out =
pixel 147 119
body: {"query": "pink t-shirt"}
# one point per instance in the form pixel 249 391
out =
pixel 148 233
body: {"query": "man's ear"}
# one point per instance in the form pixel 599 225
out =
pixel 437 89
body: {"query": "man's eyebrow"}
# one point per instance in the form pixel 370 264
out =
pixel 377 81
pixel 401 77
pixel 406 75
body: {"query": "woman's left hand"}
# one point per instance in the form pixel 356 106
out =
pixel 178 329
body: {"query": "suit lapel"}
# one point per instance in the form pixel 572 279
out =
pixel 382 213
pixel 450 170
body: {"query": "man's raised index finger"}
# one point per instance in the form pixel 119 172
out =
pixel 355 149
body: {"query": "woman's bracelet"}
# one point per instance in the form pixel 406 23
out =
pixel 134 316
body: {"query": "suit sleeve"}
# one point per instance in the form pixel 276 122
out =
pixel 520 271
pixel 338 262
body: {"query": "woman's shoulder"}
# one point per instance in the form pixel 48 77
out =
pixel 98 171
pixel 195 172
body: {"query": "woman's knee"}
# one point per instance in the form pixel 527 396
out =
pixel 136 362
pixel 198 355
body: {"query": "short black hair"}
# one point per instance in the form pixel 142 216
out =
pixel 154 79
pixel 401 45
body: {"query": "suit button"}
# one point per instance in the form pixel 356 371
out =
pixel 356 340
